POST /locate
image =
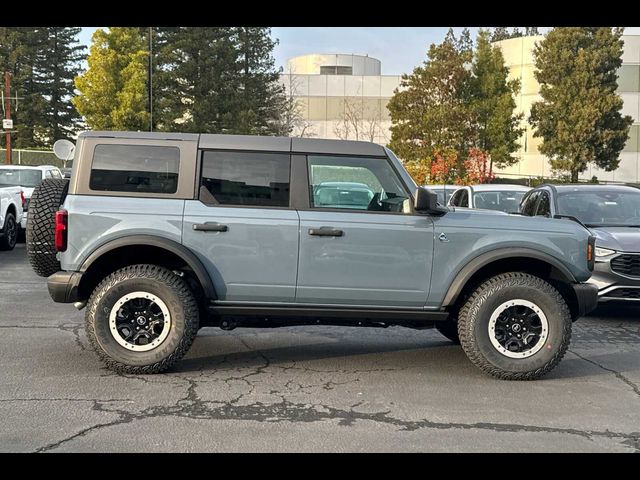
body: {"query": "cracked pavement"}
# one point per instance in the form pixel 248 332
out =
pixel 305 389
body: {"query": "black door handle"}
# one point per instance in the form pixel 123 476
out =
pixel 326 232
pixel 210 227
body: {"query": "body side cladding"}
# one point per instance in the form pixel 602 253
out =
pixel 465 274
pixel 147 240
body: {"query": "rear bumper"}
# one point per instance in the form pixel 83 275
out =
pixel 587 295
pixel 63 286
pixel 23 221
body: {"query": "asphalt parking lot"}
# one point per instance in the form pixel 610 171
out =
pixel 305 389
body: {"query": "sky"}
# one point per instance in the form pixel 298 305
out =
pixel 400 49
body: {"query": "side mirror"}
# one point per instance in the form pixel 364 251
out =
pixel 426 201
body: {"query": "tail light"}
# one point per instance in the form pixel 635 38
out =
pixel 23 200
pixel 62 217
pixel 591 252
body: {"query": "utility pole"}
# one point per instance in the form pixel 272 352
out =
pixel 150 80
pixel 7 114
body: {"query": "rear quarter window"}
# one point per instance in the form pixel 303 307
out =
pixel 135 168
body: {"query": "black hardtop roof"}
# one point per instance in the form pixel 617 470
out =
pixel 254 142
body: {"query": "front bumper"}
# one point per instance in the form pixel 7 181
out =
pixel 63 286
pixel 587 296
pixel 613 286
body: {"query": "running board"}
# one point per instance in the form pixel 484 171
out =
pixel 324 312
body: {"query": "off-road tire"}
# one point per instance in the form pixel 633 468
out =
pixel 449 328
pixel 474 317
pixel 40 234
pixel 8 240
pixel 167 286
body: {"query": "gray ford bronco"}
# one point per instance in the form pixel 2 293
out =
pixel 159 234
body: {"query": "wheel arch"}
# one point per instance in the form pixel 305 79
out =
pixel 144 249
pixel 512 259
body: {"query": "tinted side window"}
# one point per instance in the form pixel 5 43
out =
pixel 455 198
pixel 544 205
pixel 135 168
pixel 355 183
pixel 529 204
pixel 245 178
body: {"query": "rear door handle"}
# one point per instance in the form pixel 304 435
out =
pixel 210 227
pixel 326 232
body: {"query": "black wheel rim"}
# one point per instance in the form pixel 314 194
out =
pixel 139 321
pixel 518 328
pixel 11 231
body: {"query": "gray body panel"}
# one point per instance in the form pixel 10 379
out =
pixel 95 221
pixel 255 259
pixel 381 259
pixel 470 235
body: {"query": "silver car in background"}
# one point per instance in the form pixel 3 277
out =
pixel 612 213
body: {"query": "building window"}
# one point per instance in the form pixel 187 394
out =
pixel 336 70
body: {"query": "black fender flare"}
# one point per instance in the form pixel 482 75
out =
pixel 482 260
pixel 170 245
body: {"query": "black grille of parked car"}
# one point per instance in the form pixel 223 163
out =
pixel 627 265
pixel 632 293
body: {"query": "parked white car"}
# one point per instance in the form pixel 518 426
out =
pixel 490 196
pixel 27 177
pixel 11 200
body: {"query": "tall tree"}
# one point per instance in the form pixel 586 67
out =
pixel 196 87
pixel 261 95
pixel 18 51
pixel 579 116
pixel 431 111
pixel 494 105
pixel 58 63
pixel 113 91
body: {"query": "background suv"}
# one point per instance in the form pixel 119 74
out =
pixel 612 213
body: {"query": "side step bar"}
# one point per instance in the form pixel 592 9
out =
pixel 327 312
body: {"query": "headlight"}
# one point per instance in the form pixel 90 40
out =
pixel 603 252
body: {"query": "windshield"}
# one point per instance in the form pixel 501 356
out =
pixel 504 201
pixel 602 208
pixel 14 177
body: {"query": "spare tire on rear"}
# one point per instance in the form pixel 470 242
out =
pixel 45 201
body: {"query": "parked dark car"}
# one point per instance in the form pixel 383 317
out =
pixel 612 213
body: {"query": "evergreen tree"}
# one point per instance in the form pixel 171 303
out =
pixel 196 86
pixel 262 97
pixel 579 116
pixel 531 31
pixel 431 111
pixel 500 33
pixel 218 80
pixel 493 104
pixel 18 50
pixel 113 91
pixel 58 63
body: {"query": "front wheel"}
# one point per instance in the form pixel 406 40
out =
pixel 142 319
pixel 515 326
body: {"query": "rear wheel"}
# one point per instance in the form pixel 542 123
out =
pixel 10 229
pixel 40 235
pixel 142 319
pixel 515 326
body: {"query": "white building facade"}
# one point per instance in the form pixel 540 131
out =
pixel 341 96
pixel 518 56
